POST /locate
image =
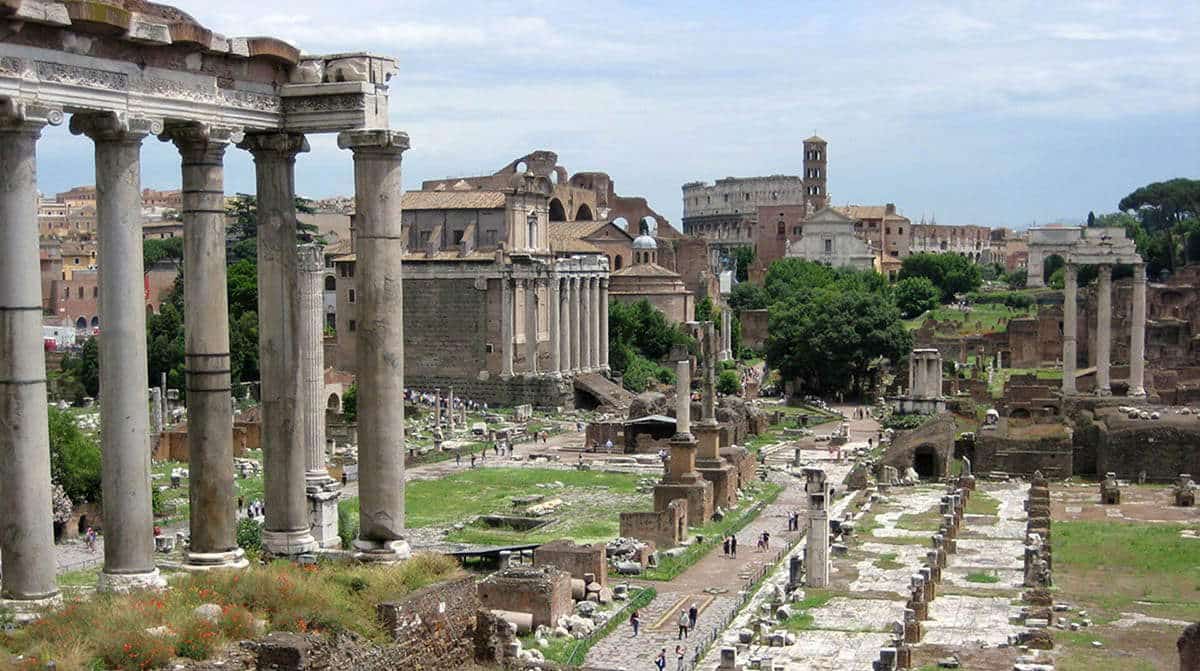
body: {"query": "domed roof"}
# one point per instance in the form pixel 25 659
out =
pixel 644 242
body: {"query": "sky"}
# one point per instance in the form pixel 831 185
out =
pixel 988 113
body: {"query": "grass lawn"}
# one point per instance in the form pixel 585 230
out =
pixel 669 567
pixel 591 503
pixel 982 318
pixel 981 503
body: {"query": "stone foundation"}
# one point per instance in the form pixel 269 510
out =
pixel 698 495
pixel 578 560
pixel 543 592
pixel 665 529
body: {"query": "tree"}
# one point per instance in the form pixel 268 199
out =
pixel 704 309
pixel 350 403
pixel 729 383
pixel 81 372
pixel 1017 278
pixel 950 273
pixel 639 338
pixel 746 296
pixel 829 339
pixel 74 458
pixel 166 249
pixel 915 295
pixel 1163 208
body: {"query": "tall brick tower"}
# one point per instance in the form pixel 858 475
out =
pixel 816 159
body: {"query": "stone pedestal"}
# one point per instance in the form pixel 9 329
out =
pixel 380 241
pixel 682 480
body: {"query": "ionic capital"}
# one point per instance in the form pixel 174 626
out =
pixel 114 126
pixel 18 115
pixel 379 140
pixel 283 145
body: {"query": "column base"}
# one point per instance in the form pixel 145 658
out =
pixel 27 610
pixel 209 561
pixel 289 543
pixel 323 517
pixel 129 582
pixel 1104 392
pixel 381 552
pixel 1137 393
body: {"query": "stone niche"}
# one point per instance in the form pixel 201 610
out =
pixel 578 560
pixel 928 449
pixel 543 591
pixel 666 528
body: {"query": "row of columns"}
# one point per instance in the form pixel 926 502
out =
pixel 578 323
pixel 1137 335
pixel 292 444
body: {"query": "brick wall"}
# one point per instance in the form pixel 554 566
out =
pixel 665 529
pixel 433 628
pixel 544 592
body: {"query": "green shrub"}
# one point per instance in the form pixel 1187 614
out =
pixel 74 458
pixel 900 422
pixel 197 639
pixel 347 522
pixel 915 296
pixel 729 383
pixel 249 535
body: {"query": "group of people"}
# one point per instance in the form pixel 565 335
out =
pixel 595 446
pixel 729 546
pixel 764 541
pixel 255 510
pixel 793 521
pixel 660 662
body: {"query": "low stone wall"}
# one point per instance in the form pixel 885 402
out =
pixel 666 528
pixel 544 592
pixel 578 560
pixel 542 392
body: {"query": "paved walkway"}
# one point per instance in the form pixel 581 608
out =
pixel 714 582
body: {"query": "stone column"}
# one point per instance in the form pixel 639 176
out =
pixel 1070 328
pixel 913 363
pixel 555 326
pixel 506 327
pixel 726 330
pixel 1103 330
pixel 604 324
pixel 124 433
pixel 585 324
pixel 531 326
pixel 1137 338
pixel 450 412
pixel 206 349
pixel 380 243
pixel 26 526
pixel 816 549
pixel 576 325
pixel 564 323
pixel 321 490
pixel 683 398
pixel 286 530
pixel 437 409
pixel 594 291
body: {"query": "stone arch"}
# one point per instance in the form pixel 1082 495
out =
pixel 621 223
pixel 557 213
pixel 648 224
pixel 927 462
pixel 1050 263
pixel 81 323
pixel 333 403
pixel 1019 413
pixel 95 321
pixel 584 213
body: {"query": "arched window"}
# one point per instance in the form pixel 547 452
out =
pixel 557 213
pixel 330 283
pixel 617 262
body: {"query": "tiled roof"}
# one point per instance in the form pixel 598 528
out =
pixel 453 200
pixel 863 212
pixel 567 236
pixel 645 270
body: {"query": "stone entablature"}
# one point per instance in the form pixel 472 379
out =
pixel 164 66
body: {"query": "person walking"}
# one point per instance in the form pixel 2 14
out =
pixel 472 460
pixel 693 614
pixel 683 623
pixel 89 537
pixel 725 546
pixel 733 546
pixel 679 658
pixel 635 621
pixel 660 662
pixel 458 457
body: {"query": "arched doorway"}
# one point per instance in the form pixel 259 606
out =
pixel 1050 265
pixel 927 463
pixel 95 321
pixel 81 323
pixel 330 283
pixel 557 213
pixel 334 404
pixel 584 213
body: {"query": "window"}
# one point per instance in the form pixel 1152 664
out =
pixel 353 326
pixel 95 292
pixel 828 246
pixel 66 292
pixel 80 292
pixel 900 230
pixel 328 260
pixel 330 283
pixel 780 228
pixel 887 230
pixel 342 270
pixel 350 269
pixel 76 260
pixel 350 296
pixel 747 194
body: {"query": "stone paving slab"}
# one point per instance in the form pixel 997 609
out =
pixel 989 554
pixel 1011 580
pixel 818 650
pixel 968 620
pixel 873 578
pixel 858 615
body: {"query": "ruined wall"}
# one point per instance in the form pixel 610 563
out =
pixel 665 529
pixel 938 434
pixel 578 560
pixel 997 451
pixel 445 328
pixel 1163 448
pixel 544 592
pixel 433 628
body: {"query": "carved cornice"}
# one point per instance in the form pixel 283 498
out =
pixel 114 126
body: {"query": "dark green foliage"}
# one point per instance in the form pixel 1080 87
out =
pixel 742 257
pixel 350 403
pixel 729 383
pixel 1017 278
pixel 249 534
pixel 704 309
pixel 164 338
pixel 74 458
pixel 745 296
pixel 950 273
pixel 1169 217
pixel 80 373
pixel 915 295
pixel 639 337
pixel 1012 299
pixel 167 249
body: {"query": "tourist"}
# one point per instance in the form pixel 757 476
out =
pixel 766 540
pixel 635 621
pixel 679 658
pixel 683 622
pixel 89 537
pixel 458 457
pixel 693 615
pixel 733 546
pixel 725 546
pixel 472 460
pixel 608 445
pixel 661 661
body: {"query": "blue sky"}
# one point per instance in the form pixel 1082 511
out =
pixel 999 114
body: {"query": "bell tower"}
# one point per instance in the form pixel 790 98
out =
pixel 816 159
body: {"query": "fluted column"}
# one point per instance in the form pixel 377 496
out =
pixel 531 348
pixel 603 316
pixel 310 271
pixel 506 326
pixel 26 526
pixel 286 530
pixel 564 323
pixel 125 425
pixel 380 246
pixel 1070 328
pixel 206 348
pixel 555 325
pixel 585 322
pixel 1137 337
pixel 1104 330
pixel 577 327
